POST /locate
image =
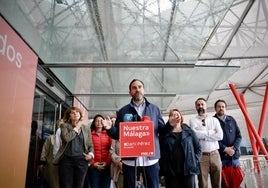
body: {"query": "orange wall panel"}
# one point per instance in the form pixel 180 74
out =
pixel 18 65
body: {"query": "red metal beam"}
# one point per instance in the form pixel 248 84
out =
pixel 251 126
pixel 251 138
pixel 263 114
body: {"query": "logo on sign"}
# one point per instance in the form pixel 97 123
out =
pixel 9 51
pixel 128 117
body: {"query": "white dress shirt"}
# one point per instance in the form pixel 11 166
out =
pixel 209 132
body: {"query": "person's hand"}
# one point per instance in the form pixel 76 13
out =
pixel 100 165
pixel 88 157
pixel 77 127
pixel 174 120
pixel 120 166
pixel 229 151
pixel 107 123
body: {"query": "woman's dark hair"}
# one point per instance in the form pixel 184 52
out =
pixel 93 126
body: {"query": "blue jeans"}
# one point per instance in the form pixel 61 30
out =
pixel 98 178
pixel 234 162
pixel 150 175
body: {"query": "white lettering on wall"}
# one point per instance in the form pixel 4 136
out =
pixel 10 52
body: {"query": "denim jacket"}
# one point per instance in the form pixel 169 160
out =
pixel 231 137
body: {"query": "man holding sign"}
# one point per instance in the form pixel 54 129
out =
pixel 147 122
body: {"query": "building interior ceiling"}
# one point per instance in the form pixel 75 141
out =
pixel 181 49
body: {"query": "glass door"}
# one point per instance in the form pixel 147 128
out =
pixel 45 114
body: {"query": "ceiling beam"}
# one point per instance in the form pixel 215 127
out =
pixel 254 79
pixel 123 94
pixel 96 20
pixel 231 58
pixel 237 26
pixel 130 65
pixel 171 20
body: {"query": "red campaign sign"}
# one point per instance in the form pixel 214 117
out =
pixel 136 139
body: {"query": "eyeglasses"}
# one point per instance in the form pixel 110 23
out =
pixel 203 122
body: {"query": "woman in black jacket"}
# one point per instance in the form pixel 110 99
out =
pixel 180 153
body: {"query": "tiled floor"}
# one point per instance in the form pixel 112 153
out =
pixel 256 180
pixel 253 178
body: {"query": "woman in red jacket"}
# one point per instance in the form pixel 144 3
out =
pixel 99 171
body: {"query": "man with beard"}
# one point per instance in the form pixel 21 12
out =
pixel 230 144
pixel 138 107
pixel 208 130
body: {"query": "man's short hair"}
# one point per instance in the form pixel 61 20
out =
pixel 200 98
pixel 134 80
pixel 220 100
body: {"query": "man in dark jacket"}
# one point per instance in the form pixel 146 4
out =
pixel 230 144
pixel 134 111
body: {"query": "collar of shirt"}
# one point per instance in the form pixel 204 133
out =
pixel 223 119
pixel 140 108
